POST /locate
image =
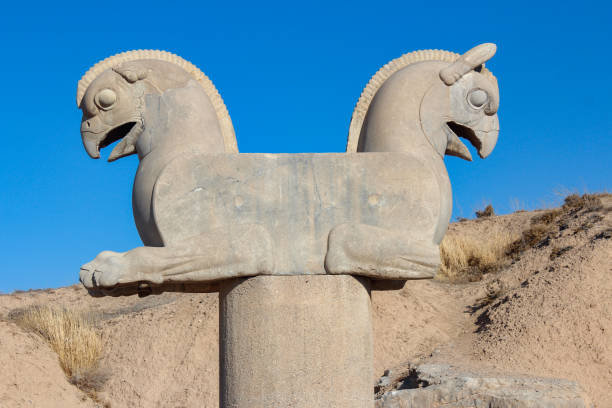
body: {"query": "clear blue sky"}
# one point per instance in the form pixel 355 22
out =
pixel 290 74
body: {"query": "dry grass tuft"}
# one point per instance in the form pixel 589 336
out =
pixel 533 236
pixel 487 212
pixel 543 226
pixel 589 202
pixel 72 335
pixel 547 217
pixel 467 259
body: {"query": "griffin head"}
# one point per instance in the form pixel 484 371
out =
pixel 112 110
pixel 111 96
pixel 466 99
pixel 432 93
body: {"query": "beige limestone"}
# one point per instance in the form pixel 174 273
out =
pixel 296 341
pixel 297 199
pixel 424 101
pixel 206 213
pixel 223 216
pixel 448 386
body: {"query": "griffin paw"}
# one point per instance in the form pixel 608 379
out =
pixel 110 269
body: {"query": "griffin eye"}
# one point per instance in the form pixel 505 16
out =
pixel 477 98
pixel 105 99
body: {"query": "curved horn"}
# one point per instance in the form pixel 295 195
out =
pixel 467 62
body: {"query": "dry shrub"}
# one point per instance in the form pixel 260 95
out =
pixel 466 258
pixel 535 234
pixel 547 217
pixel 531 237
pixel 589 202
pixel 541 227
pixel 572 201
pixel 72 335
pixel 487 212
pixel 544 225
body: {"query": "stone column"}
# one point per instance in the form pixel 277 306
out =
pixel 300 341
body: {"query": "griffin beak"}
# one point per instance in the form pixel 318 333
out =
pixel 482 138
pixel 488 136
pixel 94 141
pixel 93 133
pixel 91 145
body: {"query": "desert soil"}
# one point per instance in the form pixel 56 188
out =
pixel 549 317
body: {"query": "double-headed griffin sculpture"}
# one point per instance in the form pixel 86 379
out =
pixel 207 213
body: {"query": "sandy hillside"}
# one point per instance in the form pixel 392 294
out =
pixel 549 313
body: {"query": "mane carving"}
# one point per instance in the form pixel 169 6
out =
pixel 384 73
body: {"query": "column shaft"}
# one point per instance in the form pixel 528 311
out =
pixel 296 341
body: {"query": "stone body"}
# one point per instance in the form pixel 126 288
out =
pixel 296 341
pixel 206 213
pixel 308 208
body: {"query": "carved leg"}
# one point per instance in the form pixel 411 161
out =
pixel 359 249
pixel 244 251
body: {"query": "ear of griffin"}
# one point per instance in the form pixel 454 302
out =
pixel 130 75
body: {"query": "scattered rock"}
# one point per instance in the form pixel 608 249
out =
pixel 606 234
pixel 442 385
pixel 558 251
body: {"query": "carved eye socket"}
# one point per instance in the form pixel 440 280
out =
pixel 105 99
pixel 477 98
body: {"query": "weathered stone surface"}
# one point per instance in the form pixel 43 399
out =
pixel 296 341
pixel 221 216
pixel 441 385
pixel 383 208
pixel 424 101
pixel 206 213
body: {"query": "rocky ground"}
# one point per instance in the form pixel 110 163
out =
pixel 547 313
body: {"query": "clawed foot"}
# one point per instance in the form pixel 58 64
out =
pixel 239 251
pixel 111 269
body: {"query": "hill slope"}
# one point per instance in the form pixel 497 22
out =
pixel 549 314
